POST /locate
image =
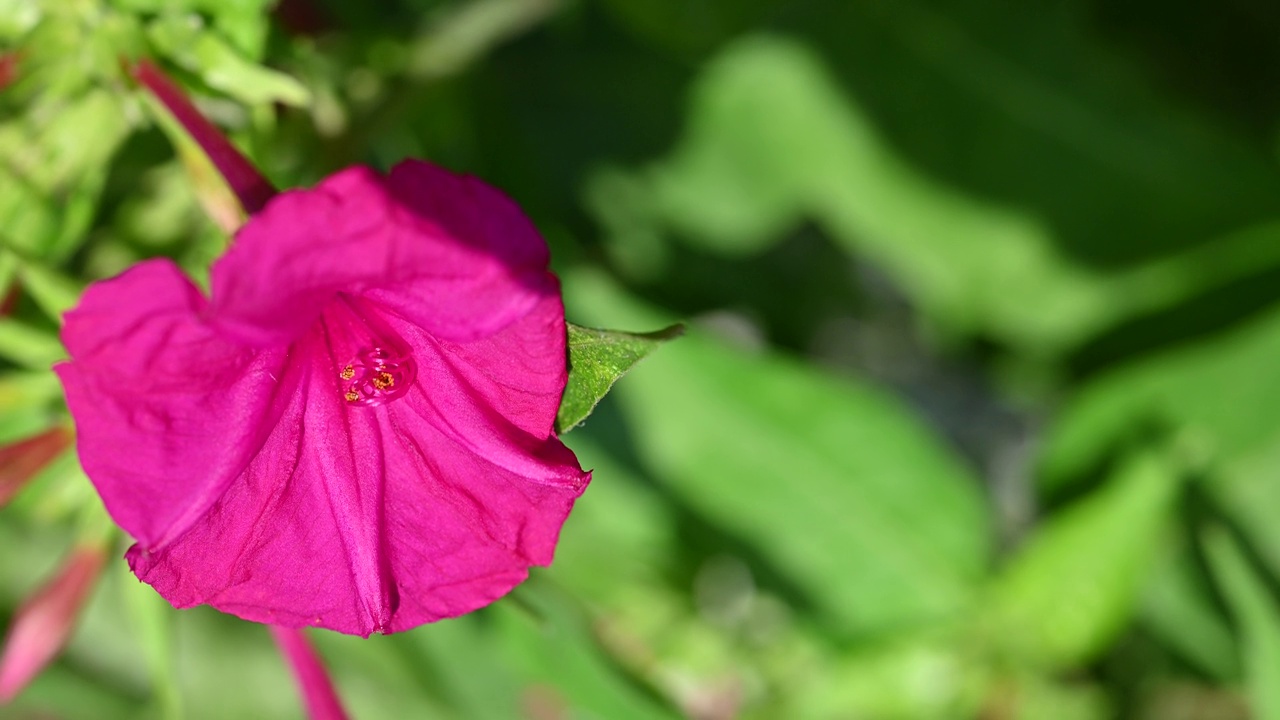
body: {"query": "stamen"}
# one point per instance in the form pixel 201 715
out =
pixel 382 368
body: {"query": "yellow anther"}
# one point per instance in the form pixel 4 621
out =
pixel 384 380
pixel 352 396
pixel 347 373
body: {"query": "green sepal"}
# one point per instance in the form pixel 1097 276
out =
pixel 597 358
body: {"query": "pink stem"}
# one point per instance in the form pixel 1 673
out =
pixel 43 623
pixel 21 461
pixel 317 690
pixel 8 68
pixel 245 181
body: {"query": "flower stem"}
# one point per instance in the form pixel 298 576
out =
pixel 249 185
pixel 317 689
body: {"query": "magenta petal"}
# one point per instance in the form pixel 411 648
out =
pixel 360 233
pixel 168 413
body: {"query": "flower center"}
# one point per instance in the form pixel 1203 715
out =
pixel 380 365
pixel 377 375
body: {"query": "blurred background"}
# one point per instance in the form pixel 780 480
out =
pixel 977 415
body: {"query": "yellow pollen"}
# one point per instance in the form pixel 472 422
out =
pixel 352 396
pixel 384 380
pixel 347 373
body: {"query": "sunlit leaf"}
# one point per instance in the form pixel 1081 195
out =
pixel 28 346
pixel 597 359
pixel 54 292
pixel 1177 608
pixel 1221 390
pixel 197 48
pixel 1258 615
pixel 1075 583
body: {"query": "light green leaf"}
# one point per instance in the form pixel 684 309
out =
pixel 1074 585
pixel 25 397
pixel 597 359
pixel 916 679
pixel 54 292
pixel 1221 391
pixel 199 49
pixel 1177 609
pixel 29 347
pixel 1258 616
pixel 832 481
pixel 152 622
pixel 549 640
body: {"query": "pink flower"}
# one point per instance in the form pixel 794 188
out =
pixel 44 622
pixel 354 430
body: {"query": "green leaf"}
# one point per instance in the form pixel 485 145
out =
pixel 25 397
pixel 774 139
pixel 199 49
pixel 597 359
pixel 29 347
pixel 54 292
pixel 1221 390
pixel 1075 583
pixel 906 679
pixel 152 622
pixel 1177 609
pixel 832 481
pixel 549 640
pixel 1258 616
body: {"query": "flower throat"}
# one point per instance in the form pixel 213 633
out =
pixel 379 364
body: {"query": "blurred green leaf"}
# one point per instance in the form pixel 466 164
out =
pixel 1176 607
pixel 1031 697
pixel 53 177
pixel 199 49
pixel 54 292
pixel 1258 616
pixel 151 619
pixel 1247 488
pixel 909 680
pixel 1220 391
pixel 597 359
pixel 620 534
pixel 552 645
pixel 17 17
pixel 772 139
pixel 1074 585
pixel 469 30
pixel 25 397
pixel 29 347
pixel 833 481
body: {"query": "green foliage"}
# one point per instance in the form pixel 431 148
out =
pixel 1072 587
pixel 597 359
pixel 1258 616
pixel 982 322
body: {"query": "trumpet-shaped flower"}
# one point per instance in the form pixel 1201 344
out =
pixel 354 429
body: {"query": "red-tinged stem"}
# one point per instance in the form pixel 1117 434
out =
pixel 317 690
pixel 245 181
pixel 8 69
pixel 22 460
pixel 43 623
